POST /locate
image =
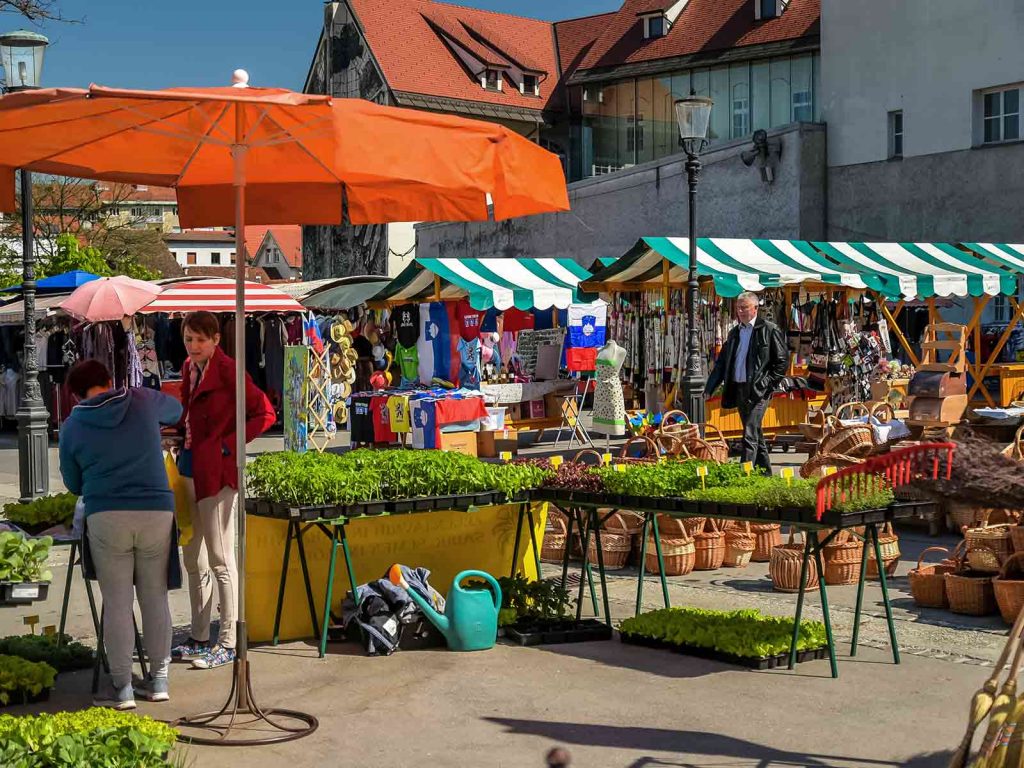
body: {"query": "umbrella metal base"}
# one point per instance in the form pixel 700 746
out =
pixel 241 722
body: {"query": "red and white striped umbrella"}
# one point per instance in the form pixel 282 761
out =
pixel 219 296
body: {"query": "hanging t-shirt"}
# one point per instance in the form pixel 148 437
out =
pixel 469 370
pixel 438 332
pixel 425 347
pixel 360 420
pixel 398 412
pixel 408 361
pixel 382 431
pixel 489 324
pixel 469 320
pixel 517 320
pixel 424 424
pixel 407 324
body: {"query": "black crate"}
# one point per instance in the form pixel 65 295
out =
pixel 583 631
pixel 23 593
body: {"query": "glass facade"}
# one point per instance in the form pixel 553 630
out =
pixel 626 122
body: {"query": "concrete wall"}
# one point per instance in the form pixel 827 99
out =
pixel 610 213
pixel 926 57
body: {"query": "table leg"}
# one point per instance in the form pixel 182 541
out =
pixel 600 567
pixel 661 563
pixel 860 594
pixel 101 654
pixel 800 599
pixel 571 515
pixel 584 572
pixel 643 558
pixel 139 650
pixel 822 589
pixel 349 568
pixel 284 581
pixel 533 538
pixel 873 529
pixel 299 533
pixel 515 547
pixel 588 570
pixel 73 549
pixel 330 592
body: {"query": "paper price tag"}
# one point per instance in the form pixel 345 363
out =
pixel 787 474
pixel 506 455
pixel 829 471
pixel 620 467
pixel 504 433
pixel 556 461
pixel 702 473
pixel 606 458
pixel 50 630
pixel 748 467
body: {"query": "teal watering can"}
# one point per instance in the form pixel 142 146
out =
pixel 470 618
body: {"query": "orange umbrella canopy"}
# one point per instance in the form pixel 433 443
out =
pixel 304 155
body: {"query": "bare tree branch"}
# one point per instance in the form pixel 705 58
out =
pixel 35 10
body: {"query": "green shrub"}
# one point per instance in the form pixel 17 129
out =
pixel 68 657
pixel 20 676
pixel 23 559
pixel 92 738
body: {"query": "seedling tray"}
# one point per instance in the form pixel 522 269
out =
pixel 750 662
pixel 21 698
pixel 23 593
pixel 583 631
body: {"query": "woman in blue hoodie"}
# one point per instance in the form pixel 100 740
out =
pixel 110 455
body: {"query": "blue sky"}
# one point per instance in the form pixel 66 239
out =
pixel 151 44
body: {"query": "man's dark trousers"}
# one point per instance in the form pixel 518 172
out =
pixel 755 449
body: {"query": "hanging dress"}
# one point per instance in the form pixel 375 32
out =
pixel 609 405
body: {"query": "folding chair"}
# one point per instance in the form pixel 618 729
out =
pixel 572 410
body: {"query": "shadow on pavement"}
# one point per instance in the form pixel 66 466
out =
pixel 713 745
pixel 615 654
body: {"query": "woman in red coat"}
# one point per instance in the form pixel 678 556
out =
pixel 209 465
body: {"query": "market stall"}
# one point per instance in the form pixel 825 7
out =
pixel 865 286
pixel 496 326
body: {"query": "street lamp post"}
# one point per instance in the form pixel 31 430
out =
pixel 693 114
pixel 21 56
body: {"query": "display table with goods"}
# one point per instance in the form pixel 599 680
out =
pixel 840 516
pixel 365 504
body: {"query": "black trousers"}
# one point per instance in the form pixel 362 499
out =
pixel 755 449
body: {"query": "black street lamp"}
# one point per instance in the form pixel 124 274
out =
pixel 693 114
pixel 21 56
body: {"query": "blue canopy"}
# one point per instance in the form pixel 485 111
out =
pixel 57 283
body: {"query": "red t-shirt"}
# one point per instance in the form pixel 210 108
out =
pixel 382 432
pixel 469 320
pixel 517 320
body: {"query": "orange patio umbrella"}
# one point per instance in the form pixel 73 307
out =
pixel 242 155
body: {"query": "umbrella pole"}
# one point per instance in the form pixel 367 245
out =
pixel 241 701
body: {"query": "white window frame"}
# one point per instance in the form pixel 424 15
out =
pixel 215 258
pixel 894 117
pixel 999 119
pixel 535 91
pixel 665 26
pixel 780 7
pixel 484 77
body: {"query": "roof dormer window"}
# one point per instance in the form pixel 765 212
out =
pixel 655 26
pixel 491 80
pixel 529 85
pixel 769 9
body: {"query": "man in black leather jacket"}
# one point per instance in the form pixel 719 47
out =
pixel 752 363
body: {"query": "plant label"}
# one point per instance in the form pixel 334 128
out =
pixel 702 473
pixel 506 455
pixel 28 621
pixel 606 459
pixel 748 467
pixel 620 467
pixel 787 474
pixel 25 592
pixel 49 630
pixel 556 461
pixel 828 471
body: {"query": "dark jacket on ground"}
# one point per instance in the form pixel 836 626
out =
pixel 767 362
pixel 211 410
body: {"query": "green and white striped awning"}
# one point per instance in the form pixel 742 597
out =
pixel 1010 256
pixel 896 270
pixel 498 283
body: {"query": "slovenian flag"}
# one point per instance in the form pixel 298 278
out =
pixel 587 333
pixel 424 424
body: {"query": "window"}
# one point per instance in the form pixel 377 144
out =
pixel 803 102
pixel 530 86
pixel 491 80
pixel 190 259
pixel 739 83
pixel 654 26
pixel 232 257
pixel 1001 115
pixel 896 134
pixel 215 258
pixel 138 212
pixel 767 9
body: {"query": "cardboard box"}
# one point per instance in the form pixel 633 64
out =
pixel 491 443
pixel 485 444
pixel 536 409
pixel 510 445
pixel 459 442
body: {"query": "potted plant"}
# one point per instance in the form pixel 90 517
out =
pixel 36 516
pixel 24 682
pixel 69 656
pixel 24 577
pixel 540 608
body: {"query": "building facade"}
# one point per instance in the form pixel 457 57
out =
pixel 202 248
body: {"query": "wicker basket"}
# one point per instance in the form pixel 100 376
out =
pixel 649 456
pixel 811 429
pixel 853 440
pixel 677 527
pixel 1009 591
pixel 927 582
pixel 785 563
pixel 988 547
pixel 963 515
pixel 615 549
pixel 842 558
pixel 1017 537
pixel 969 592
pixel 767 536
pixel 679 556
pixel 1000 516
pixel 552 548
pixel 814 465
pixel 889 544
pixel 709 448
pixel 709 543
pixel 1015 450
pixel 739 545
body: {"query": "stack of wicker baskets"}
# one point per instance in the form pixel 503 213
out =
pixel 740 543
pixel 767 536
pixel 552 549
pixel 616 540
pixel 969 592
pixel 988 547
pixel 889 544
pixel 677 548
pixel 1009 589
pixel 928 583
pixel 785 564
pixel 842 559
pixel 709 542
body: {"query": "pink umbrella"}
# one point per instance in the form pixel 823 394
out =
pixel 110 298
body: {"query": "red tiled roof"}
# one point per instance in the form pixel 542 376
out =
pixel 200 236
pixel 414 58
pixel 703 25
pixel 136 193
pixel 287 237
pixel 450 26
pixel 576 36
